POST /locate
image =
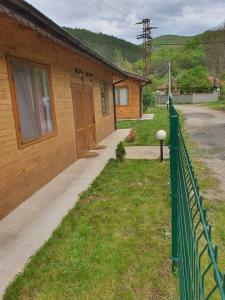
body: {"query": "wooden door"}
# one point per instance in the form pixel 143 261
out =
pixel 79 119
pixel 90 117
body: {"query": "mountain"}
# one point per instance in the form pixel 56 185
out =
pixel 173 40
pixel 113 49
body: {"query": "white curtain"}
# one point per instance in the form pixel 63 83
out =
pixel 25 100
pixel 123 96
pixel 43 99
pixel 33 99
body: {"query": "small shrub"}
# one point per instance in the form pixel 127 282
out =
pixel 120 151
pixel 132 135
pixel 148 98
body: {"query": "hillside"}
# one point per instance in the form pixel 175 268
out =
pixel 172 39
pixel 116 50
pixel 128 56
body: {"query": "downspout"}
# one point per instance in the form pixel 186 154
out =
pixel 114 100
pixel 141 101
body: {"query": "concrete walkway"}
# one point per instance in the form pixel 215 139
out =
pixel 25 229
pixel 144 117
pixel 145 152
pixel 147 117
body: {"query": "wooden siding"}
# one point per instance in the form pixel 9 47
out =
pixel 24 171
pixel 132 110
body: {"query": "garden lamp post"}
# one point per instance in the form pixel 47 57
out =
pixel 161 135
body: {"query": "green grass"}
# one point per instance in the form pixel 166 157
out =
pixel 210 187
pixel 219 105
pixel 146 130
pixel 114 244
pixel 211 190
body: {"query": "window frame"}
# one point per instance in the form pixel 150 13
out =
pixel 22 143
pixel 122 87
pixel 106 89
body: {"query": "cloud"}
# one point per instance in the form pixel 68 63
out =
pixel 118 18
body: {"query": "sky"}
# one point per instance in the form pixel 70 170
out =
pixel 118 17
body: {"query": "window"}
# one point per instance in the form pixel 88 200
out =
pixel 104 97
pixel 122 96
pixel 33 99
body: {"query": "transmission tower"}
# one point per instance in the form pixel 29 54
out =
pixel 146 36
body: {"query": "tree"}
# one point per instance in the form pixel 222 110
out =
pixel 195 81
pixel 148 98
pixel 215 49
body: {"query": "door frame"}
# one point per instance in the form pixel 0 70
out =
pixel 90 88
pixel 81 87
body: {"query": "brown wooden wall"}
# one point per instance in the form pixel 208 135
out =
pixel 23 171
pixel 132 110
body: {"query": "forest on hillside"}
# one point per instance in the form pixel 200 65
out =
pixel 194 59
pixel 115 50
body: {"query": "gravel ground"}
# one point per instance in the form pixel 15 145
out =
pixel 206 128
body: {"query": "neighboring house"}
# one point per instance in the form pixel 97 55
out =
pixel 56 101
pixel 129 98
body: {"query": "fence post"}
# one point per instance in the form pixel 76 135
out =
pixel 174 123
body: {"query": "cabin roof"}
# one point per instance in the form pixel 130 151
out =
pixel 138 77
pixel 30 16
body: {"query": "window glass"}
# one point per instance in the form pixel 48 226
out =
pixel 33 100
pixel 123 96
pixel 43 99
pixel 117 96
pixel 104 97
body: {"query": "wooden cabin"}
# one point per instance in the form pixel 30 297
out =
pixel 128 96
pixel 56 101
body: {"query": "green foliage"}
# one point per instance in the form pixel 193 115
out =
pixel 219 105
pixel 114 244
pixel 115 50
pixel 195 81
pixel 171 39
pixel 120 151
pixel 129 56
pixel 215 50
pixel 148 98
pixel 222 87
pixel 146 129
pixel 182 58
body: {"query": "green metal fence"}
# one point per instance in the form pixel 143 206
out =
pixel 194 257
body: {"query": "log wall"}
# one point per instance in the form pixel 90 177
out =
pixel 132 110
pixel 25 170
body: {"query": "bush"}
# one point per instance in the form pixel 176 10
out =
pixel 222 93
pixel 132 135
pixel 195 81
pixel 120 151
pixel 148 98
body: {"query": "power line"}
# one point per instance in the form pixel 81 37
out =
pixel 60 13
pixel 187 44
pixel 72 18
pixel 116 10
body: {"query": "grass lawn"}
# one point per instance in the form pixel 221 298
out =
pixel 209 187
pixel 115 243
pixel 219 105
pixel 146 130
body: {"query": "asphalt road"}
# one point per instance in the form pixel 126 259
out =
pixel 206 128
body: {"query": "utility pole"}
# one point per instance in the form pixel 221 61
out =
pixel 170 83
pixel 146 36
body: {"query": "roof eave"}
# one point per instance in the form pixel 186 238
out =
pixel 27 11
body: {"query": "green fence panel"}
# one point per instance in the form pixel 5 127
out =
pixel 194 257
